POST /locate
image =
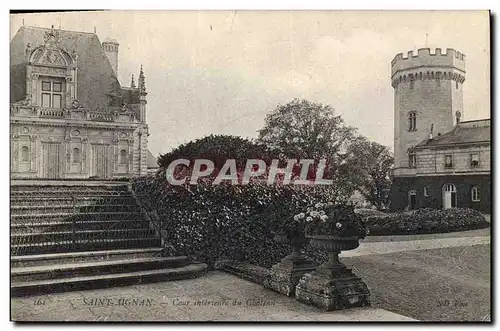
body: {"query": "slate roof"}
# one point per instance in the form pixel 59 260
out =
pixel 152 161
pixel 469 132
pixel 96 79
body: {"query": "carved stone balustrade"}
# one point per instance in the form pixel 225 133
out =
pixel 51 112
pixel 84 114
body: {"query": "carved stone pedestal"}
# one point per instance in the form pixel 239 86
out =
pixel 286 274
pixel 333 286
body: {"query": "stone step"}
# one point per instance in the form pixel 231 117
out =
pixel 68 188
pixel 48 191
pixel 81 257
pixel 65 200
pixel 46 272
pixel 90 216
pixel 89 235
pixel 58 226
pixel 26 210
pixel 82 245
pixel 108 280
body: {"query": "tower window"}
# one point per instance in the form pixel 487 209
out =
pixel 456 84
pixel 412 160
pixel 474 160
pixel 412 121
pixel 474 192
pixel 411 84
pixel 448 161
pixel 458 116
pixel 24 154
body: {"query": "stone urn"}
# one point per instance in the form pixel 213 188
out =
pixel 333 286
pixel 285 275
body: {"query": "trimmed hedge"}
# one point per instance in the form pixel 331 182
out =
pixel 425 220
pixel 238 222
pixel 364 212
pixel 227 222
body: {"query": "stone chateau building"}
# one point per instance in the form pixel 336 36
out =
pixel 70 117
pixel 441 161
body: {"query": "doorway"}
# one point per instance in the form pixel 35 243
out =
pixel 449 196
pixel 100 161
pixel 51 160
pixel 412 198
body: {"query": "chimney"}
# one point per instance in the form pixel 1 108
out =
pixel 110 47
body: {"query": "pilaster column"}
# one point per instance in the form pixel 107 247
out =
pixel 33 87
pixel 85 146
pixel 34 154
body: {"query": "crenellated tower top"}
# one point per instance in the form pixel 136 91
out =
pixel 428 65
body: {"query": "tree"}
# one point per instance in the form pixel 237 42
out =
pixel 303 129
pixel 373 163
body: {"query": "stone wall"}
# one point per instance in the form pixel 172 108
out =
pixel 433 161
pixel 402 185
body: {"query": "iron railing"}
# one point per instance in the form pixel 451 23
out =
pixel 62 221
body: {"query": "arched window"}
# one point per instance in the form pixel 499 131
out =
pixel 24 154
pixel 123 156
pixel 412 121
pixel 458 116
pixel 76 155
pixel 449 196
pixel 474 160
pixel 474 192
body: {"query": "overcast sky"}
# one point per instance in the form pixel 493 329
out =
pixel 221 72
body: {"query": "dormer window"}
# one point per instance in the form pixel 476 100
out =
pixel 474 160
pixel 51 92
pixel 448 161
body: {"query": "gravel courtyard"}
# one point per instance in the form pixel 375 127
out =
pixel 447 284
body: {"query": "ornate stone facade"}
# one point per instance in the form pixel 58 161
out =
pixel 53 135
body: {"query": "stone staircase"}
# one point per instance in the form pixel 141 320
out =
pixel 70 235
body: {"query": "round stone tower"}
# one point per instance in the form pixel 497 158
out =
pixel 428 98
